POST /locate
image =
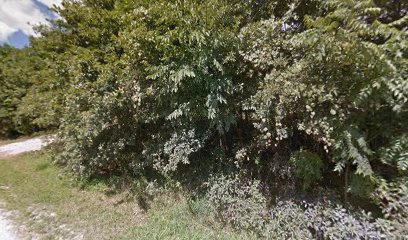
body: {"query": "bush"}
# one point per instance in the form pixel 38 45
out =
pixel 335 222
pixel 238 202
pixel 393 199
pixel 286 220
pixel 322 220
pixel 308 167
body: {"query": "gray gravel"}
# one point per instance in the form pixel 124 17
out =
pixel 34 144
pixel 6 228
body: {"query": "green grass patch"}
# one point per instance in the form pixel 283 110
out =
pixel 47 199
pixel 172 218
pixel 29 180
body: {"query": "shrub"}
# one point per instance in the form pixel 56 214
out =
pixel 240 204
pixel 308 167
pixel 335 222
pixel 286 220
pixel 237 201
pixel 393 199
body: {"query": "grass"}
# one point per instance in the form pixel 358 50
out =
pixel 47 200
pixel 51 206
pixel 171 218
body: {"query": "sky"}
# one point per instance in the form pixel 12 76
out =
pixel 18 16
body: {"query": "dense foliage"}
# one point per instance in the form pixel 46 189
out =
pixel 28 97
pixel 259 105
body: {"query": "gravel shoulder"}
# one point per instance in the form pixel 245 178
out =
pixel 7 231
pixel 34 144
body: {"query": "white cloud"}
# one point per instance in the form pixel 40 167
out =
pixel 18 15
pixel 5 31
pixel 50 3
